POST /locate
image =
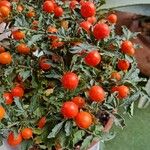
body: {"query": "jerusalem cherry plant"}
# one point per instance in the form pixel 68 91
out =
pixel 65 74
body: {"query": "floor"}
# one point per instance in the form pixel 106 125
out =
pixel 136 135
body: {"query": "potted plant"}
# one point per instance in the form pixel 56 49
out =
pixel 65 73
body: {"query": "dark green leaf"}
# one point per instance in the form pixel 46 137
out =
pixel 18 104
pixel 68 128
pixel 25 74
pixel 34 39
pixel 55 130
pixel 78 136
pixel 26 144
pixel 34 103
pixel 119 120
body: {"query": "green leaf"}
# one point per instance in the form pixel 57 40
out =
pixel 63 140
pixel 37 131
pixel 34 39
pixel 53 74
pixel 128 34
pixel 78 136
pixel 55 130
pixel 25 74
pixel 108 136
pixel 34 103
pixel 20 21
pixel 130 109
pixel 131 99
pixel 68 127
pixel 86 142
pixel 144 92
pixel 26 144
pixel 81 47
pixel 119 120
pixel 18 104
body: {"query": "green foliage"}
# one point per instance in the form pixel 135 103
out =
pixel 56 130
pixel 44 94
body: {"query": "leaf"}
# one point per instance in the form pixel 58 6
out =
pixel 131 99
pixel 86 142
pixel 26 144
pixel 130 109
pixel 34 103
pixel 37 131
pixel 145 92
pixel 81 47
pixel 78 136
pixel 128 34
pixel 55 130
pixel 53 75
pixel 34 39
pixel 119 120
pixel 108 136
pixel 34 82
pixel 68 127
pixel 63 140
pixel 20 21
pixel 18 104
pixel 25 74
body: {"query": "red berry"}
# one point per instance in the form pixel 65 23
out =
pixel 2 112
pixel 73 4
pixel 96 93
pixel 56 43
pixel 114 89
pixel 91 20
pixel 123 65
pixel 112 18
pixel 8 98
pixel 42 122
pixel 116 76
pixel 14 140
pixel 48 6
pixel 101 31
pixel 5 3
pixel 17 92
pixel 44 65
pixel 85 25
pixel 18 35
pixel 88 9
pixel 70 81
pixel 69 109
pixel 83 120
pixel 126 45
pixel 58 12
pixel 27 133
pixel 123 91
pixel 93 58
pixel 79 101
pixel 127 48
